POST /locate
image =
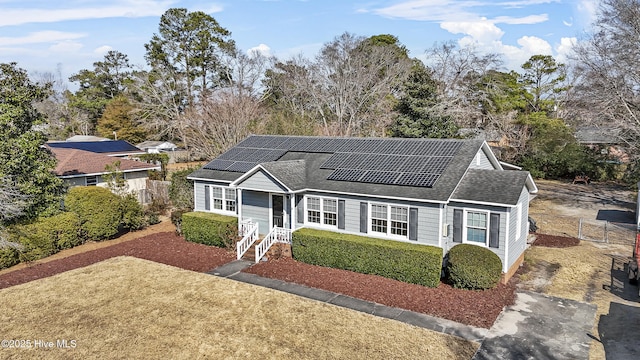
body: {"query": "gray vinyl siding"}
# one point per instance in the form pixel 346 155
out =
pixel 481 161
pixel 500 251
pixel 518 245
pixel 428 216
pixel 262 181
pixel 198 199
pixel 255 206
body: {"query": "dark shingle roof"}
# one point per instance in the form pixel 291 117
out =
pixel 291 173
pixel 491 186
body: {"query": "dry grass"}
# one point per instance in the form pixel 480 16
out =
pixel 127 308
pixel 584 274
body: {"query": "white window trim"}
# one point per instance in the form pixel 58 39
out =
pixel 488 227
pixel 388 234
pixel 321 224
pixel 224 210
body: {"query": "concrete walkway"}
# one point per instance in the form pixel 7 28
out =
pixel 535 327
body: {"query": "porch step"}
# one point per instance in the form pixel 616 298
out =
pixel 250 255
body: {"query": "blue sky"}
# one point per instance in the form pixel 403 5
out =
pixel 69 35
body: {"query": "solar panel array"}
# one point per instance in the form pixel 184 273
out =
pixel 408 162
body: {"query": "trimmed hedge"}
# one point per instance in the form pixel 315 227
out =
pixel 9 257
pixel 411 263
pixel 210 229
pixel 47 236
pixel 473 267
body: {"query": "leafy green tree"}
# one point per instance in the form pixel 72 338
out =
pixel 544 79
pixel 24 162
pixel 108 79
pixel 189 47
pixel 416 117
pixel 117 121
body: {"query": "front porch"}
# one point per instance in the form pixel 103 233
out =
pixel 252 247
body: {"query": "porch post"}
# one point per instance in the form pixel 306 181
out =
pixel 239 208
pixel 292 209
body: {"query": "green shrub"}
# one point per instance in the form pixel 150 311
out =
pixel 132 213
pixel 412 263
pixel 9 256
pixel 63 229
pixel 210 229
pixel 98 210
pixel 473 267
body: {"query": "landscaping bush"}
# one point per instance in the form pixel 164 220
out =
pixel 210 229
pixel 9 256
pixel 411 263
pixel 98 210
pixel 63 229
pixel 473 267
pixel 132 213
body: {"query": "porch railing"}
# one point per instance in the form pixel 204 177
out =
pixel 250 232
pixel 244 226
pixel 277 235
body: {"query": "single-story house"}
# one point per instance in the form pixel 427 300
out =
pixel 115 148
pixel 437 192
pixel 85 168
pixel 156 147
pixel 606 139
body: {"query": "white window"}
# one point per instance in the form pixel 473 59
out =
pixel 230 199
pixel 390 220
pixel 330 212
pixel 322 211
pixel 222 198
pixel 399 221
pixel 313 210
pixel 91 180
pixel 476 225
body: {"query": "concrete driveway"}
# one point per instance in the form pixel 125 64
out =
pixel 540 327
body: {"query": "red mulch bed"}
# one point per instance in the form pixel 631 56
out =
pixel 555 241
pixel 476 308
pixel 166 248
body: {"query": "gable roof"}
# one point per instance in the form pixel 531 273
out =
pixel 493 187
pixel 101 147
pixel 77 163
pixel 373 166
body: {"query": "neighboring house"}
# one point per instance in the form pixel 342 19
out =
pixel 607 140
pixel 84 168
pixel 76 138
pixel 115 148
pixel 156 147
pixel 425 191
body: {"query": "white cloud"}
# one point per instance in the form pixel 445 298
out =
pixel 526 20
pixel 535 46
pixel 483 31
pixel 565 48
pixel 102 50
pixel 94 10
pixel 261 49
pixel 66 47
pixel 40 37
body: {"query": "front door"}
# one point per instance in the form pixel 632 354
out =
pixel 277 207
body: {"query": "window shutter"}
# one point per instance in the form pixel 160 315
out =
pixel 413 223
pixel 494 230
pixel 341 214
pixel 457 225
pixel 363 217
pixel 207 198
pixel 299 209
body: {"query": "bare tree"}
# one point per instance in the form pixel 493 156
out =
pixel 457 71
pixel 607 71
pixel 227 114
pixel 346 87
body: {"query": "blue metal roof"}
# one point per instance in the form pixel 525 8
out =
pixel 113 146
